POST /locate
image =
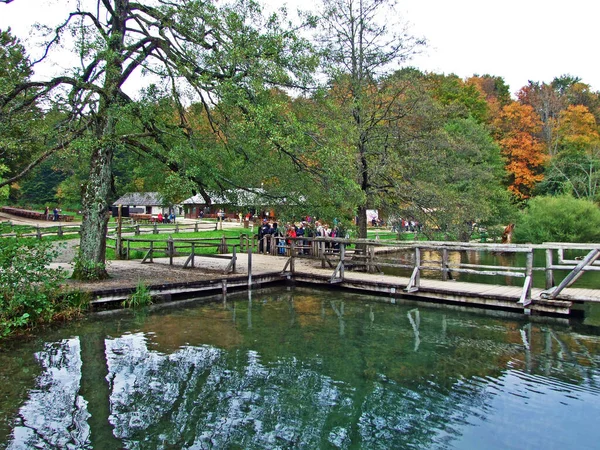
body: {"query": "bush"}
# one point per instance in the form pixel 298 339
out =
pixel 558 219
pixel 140 298
pixel 29 289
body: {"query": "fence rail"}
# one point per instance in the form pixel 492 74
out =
pixel 136 229
pixel 172 248
pixel 342 254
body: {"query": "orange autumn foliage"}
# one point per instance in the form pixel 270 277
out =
pixel 517 127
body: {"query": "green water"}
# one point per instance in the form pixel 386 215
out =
pixel 302 368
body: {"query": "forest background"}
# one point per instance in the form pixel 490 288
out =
pixel 322 116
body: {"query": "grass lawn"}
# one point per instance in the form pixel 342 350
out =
pixel 160 242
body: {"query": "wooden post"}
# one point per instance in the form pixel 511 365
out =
pixel 445 264
pixel 322 253
pixel 137 229
pixel 176 228
pixel 292 255
pixel 342 258
pixel 193 255
pixel 155 231
pixel 370 254
pixel 549 272
pixel 60 231
pixel 119 242
pixel 196 227
pixel 39 233
pixel 249 267
pixel 234 260
pixel 170 250
pixel 151 251
pixel 418 266
pixel 128 249
pixel 528 279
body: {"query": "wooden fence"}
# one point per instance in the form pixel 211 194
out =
pixel 363 254
pixel 136 229
pixel 172 248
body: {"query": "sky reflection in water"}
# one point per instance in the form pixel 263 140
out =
pixel 305 369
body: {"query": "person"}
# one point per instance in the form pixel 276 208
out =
pixel 160 217
pixel 290 233
pixel 55 212
pixel 264 230
pixel 275 235
pixel 47 212
pixel 300 233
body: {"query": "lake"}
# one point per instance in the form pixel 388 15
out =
pixel 304 368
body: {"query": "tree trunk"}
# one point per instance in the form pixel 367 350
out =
pixel 92 251
pixel 362 221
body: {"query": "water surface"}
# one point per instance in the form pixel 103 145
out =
pixel 300 368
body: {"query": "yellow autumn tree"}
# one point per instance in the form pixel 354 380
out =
pixel 578 130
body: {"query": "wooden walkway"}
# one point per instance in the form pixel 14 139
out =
pixel 467 294
pixel 268 270
pixel 326 261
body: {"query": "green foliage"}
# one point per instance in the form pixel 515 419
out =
pixel 4 190
pixel 88 270
pixel 29 290
pixel 461 100
pixel 558 219
pixel 576 174
pixel 140 298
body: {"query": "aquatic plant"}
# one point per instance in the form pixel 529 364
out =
pixel 140 298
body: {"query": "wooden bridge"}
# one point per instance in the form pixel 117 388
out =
pixel 430 269
pixel 444 259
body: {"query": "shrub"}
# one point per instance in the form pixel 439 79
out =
pixel 558 219
pixel 140 298
pixel 29 289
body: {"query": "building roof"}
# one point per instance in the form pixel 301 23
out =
pixel 140 199
pixel 237 197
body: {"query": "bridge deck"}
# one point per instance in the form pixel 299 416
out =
pixel 268 269
pixel 451 291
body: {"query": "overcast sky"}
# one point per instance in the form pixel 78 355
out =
pixel 519 40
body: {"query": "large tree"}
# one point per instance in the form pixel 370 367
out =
pixel 214 51
pixel 361 45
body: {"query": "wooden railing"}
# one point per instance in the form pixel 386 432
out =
pixel 172 248
pixel 136 229
pixel 342 254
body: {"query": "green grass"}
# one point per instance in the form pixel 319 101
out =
pixel 160 242
pixel 6 228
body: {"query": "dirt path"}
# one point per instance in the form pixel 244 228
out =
pixel 130 273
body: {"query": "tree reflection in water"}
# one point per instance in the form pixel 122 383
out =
pixel 307 369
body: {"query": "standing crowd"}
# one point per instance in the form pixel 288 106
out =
pixel 281 237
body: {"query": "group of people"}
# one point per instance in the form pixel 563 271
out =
pixel 167 218
pixel 281 236
pixel 55 214
pixel 401 224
